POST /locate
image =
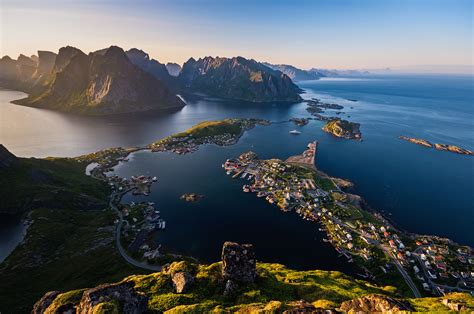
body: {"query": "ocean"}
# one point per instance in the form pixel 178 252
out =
pixel 422 190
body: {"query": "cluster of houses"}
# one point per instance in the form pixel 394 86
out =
pixel 275 181
pixel 142 221
pixel 188 144
pixel 442 264
pixel 281 184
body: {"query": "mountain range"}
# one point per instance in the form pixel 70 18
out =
pixel 297 74
pixel 238 78
pixel 111 80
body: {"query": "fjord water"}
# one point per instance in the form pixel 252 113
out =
pixel 422 190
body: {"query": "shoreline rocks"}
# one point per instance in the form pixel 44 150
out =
pixel 437 146
pixel 417 141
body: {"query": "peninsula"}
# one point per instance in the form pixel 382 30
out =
pixel 222 132
pixel 414 263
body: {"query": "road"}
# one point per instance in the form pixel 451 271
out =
pixel 400 268
pixel 118 231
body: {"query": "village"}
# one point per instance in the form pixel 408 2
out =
pixel 429 264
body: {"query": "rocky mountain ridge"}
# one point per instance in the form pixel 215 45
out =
pixel 238 78
pixel 100 83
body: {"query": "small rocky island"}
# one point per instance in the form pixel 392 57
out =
pixel 445 147
pixel 191 197
pixel 343 128
pixel 300 121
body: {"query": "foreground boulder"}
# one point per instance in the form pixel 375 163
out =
pixel 238 266
pixel 238 262
pixel 122 295
pixel 374 303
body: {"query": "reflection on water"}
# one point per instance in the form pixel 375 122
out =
pixel 426 191
pixel 12 231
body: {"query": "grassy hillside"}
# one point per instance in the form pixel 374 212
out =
pixel 276 289
pixel 70 241
pixel 275 282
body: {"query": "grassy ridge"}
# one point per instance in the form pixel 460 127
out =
pixel 212 128
pixel 70 242
pixel 275 282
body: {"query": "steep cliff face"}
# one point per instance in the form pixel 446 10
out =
pixel 238 78
pixel 152 66
pixel 173 68
pixel 6 158
pixel 101 83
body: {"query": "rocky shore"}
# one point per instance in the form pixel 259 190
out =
pixel 443 147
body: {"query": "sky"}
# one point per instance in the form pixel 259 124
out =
pixel 355 34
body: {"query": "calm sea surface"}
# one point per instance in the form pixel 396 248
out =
pixel 422 190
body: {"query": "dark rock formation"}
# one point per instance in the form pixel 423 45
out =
pixel 182 281
pixel 173 68
pixel 130 300
pixel 238 78
pixel 6 158
pixel 42 304
pixel 374 303
pixel 238 262
pixel 100 83
pixel 152 66
pixel 294 73
pixel 343 128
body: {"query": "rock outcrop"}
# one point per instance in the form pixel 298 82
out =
pixel 374 303
pixel 238 78
pixel 238 262
pixel 417 141
pixel 343 128
pixel 105 82
pixel 123 294
pixel 6 158
pixel 173 68
pixel 42 304
pixel 152 66
pixel 453 149
pixel 182 281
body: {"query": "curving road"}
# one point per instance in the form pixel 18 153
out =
pixel 118 231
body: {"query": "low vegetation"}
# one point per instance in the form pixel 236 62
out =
pixel 69 243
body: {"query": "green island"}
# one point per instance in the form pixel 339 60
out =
pixel 223 133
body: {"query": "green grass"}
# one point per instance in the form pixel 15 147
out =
pixel 275 286
pixel 213 128
pixel 70 242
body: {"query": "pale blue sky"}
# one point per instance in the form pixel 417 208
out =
pixel 329 34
